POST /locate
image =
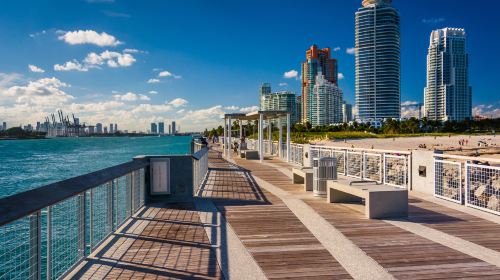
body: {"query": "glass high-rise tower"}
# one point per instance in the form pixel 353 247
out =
pixel 317 61
pixel 377 61
pixel 448 96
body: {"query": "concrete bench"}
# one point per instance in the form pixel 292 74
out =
pixel 249 154
pixel 381 201
pixel 303 176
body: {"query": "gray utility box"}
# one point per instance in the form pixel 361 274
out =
pixel 324 169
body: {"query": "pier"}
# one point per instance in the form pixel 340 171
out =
pixel 243 219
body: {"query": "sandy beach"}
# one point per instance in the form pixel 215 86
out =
pixel 486 145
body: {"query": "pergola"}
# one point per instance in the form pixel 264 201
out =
pixel 261 116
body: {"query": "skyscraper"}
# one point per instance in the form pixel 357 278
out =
pixel 116 128
pixel 346 112
pixel 111 130
pixel 280 101
pixel 154 128
pixel 326 102
pixel 4 126
pixel 173 128
pixel 316 61
pixel 377 61
pixel 298 108
pixel 161 127
pixel 169 129
pixel 448 96
pixel 98 128
pixel 265 89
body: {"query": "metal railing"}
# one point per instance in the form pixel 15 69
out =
pixel 472 181
pixel 383 166
pixel 46 231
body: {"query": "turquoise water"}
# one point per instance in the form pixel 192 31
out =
pixel 28 164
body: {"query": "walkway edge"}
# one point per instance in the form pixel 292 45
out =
pixel 450 241
pixel 234 259
pixel 351 257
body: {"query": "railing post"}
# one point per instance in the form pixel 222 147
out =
pixel 81 224
pixel 110 206
pixel 35 246
pixel 49 243
pixel 91 223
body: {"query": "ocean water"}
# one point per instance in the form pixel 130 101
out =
pixel 28 164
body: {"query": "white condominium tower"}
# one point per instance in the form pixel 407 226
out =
pixel 326 107
pixel 447 96
pixel 377 61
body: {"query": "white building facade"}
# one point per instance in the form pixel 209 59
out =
pixel 448 96
pixel 326 103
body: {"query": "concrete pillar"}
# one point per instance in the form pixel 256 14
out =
pixel 261 137
pixel 280 138
pixel 288 137
pixel 270 136
pixel 224 144
pixel 241 133
pixel 229 140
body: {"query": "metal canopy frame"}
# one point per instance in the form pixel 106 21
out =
pixel 260 116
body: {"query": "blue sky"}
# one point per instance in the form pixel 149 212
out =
pixel 213 55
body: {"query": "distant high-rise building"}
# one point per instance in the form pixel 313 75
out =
pixel 298 108
pixel 377 61
pixel 38 127
pixel 317 60
pixel 280 101
pixel 105 130
pixel 91 129
pixel 265 90
pixel 4 126
pixel 116 128
pixel 169 129
pixel 98 128
pixel 448 96
pixel 173 128
pixel 154 128
pixel 111 130
pixel 346 112
pixel 326 102
pixel 161 127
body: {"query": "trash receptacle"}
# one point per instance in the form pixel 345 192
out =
pixel 323 169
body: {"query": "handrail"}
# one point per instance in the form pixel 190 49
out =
pixel 199 154
pixel 25 203
pixel 361 149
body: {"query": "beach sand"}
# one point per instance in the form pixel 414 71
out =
pixel 444 143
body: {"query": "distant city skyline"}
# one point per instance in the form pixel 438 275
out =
pixel 157 62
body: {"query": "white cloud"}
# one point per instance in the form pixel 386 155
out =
pixel 133 51
pixel 350 50
pixel 8 79
pixel 410 112
pixel 409 103
pixel 232 108
pixel 36 34
pixel 249 109
pixel 153 92
pixel 341 76
pixel 79 37
pixel 489 111
pixel 73 65
pixel 433 20
pixel 112 59
pixel 130 96
pixel 168 74
pixel 153 81
pixel 178 102
pixel 291 74
pixel 43 92
pixel 36 69
pixel 283 84
pixel 336 49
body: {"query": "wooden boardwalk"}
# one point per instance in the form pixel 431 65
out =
pixel 169 241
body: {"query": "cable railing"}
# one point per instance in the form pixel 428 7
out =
pixel 472 181
pixel 382 166
pixel 47 231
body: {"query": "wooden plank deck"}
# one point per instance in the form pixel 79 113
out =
pixel 162 242
pixel 281 245
pixel 405 255
pixel 169 241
